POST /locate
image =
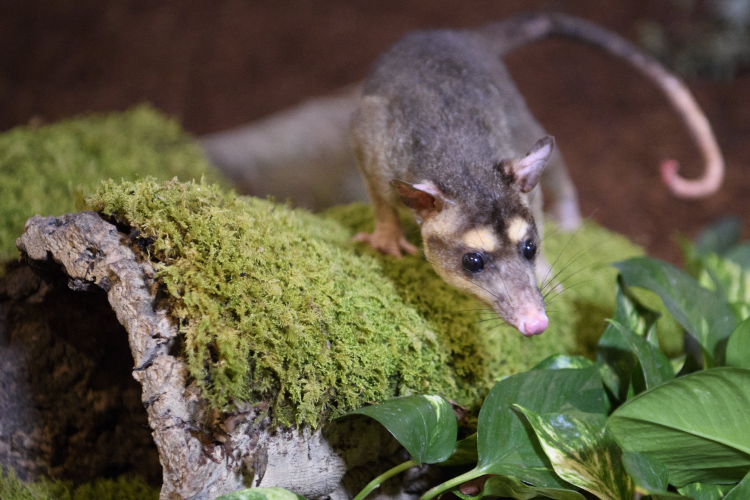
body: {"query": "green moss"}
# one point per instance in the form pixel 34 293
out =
pixel 279 305
pixel 11 488
pixel 49 170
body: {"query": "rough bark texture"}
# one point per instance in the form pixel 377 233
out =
pixel 203 453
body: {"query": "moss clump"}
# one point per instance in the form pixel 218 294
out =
pixel 49 170
pixel 11 488
pixel 279 305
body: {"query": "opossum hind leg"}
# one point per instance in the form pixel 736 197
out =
pixel 562 198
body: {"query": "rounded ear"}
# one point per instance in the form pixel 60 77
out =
pixel 526 171
pixel 424 198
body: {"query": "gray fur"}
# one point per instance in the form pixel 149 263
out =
pixel 442 122
pixel 441 116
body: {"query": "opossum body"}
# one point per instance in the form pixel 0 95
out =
pixel 442 128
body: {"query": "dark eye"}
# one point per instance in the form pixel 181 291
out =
pixel 473 262
pixel 529 249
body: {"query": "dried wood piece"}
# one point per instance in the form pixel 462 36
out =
pixel 204 453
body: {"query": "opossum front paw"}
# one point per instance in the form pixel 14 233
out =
pixel 387 243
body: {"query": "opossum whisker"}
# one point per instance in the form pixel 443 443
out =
pixel 545 281
pixel 555 283
pixel 555 296
pixel 477 311
pixel 489 319
pixel 499 325
pixel 549 283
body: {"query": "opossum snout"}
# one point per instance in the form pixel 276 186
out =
pixel 532 323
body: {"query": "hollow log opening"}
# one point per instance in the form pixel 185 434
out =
pixel 70 407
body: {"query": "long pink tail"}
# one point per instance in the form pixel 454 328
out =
pixel 516 31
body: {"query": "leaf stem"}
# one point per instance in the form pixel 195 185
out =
pixel 452 483
pixel 375 483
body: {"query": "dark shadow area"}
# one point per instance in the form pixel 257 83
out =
pixel 70 407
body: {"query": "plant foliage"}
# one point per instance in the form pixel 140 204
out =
pixel 634 423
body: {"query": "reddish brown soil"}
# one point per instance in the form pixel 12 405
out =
pixel 216 64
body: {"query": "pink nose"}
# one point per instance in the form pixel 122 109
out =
pixel 533 323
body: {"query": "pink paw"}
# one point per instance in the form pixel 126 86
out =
pixel 387 244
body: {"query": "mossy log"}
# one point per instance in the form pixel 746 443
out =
pixel 204 453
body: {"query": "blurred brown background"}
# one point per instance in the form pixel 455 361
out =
pixel 216 64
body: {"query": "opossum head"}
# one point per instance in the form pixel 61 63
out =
pixel 488 249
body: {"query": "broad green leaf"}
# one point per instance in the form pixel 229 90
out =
pixel 583 453
pixel 262 494
pixel 738 347
pixel 632 313
pixel 649 474
pixel 678 363
pixel 613 350
pixel 719 236
pixel 512 487
pixel 611 381
pixel 699 491
pixel 741 491
pixel 425 425
pixel 741 310
pixel 697 426
pixel 464 453
pixel 559 361
pixel 701 312
pixel 505 441
pixel 654 365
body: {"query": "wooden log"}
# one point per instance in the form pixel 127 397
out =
pixel 204 453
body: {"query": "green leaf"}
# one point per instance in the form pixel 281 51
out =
pixel 699 491
pixel 697 426
pixel 655 367
pixel 560 361
pixel 738 347
pixel 613 349
pixel 582 453
pixel 505 441
pixel 262 494
pixel 512 487
pixel 701 312
pixel 741 491
pixel 632 313
pixel 649 474
pixel 425 425
pixel 741 310
pixel 720 236
pixel 727 277
pixel 464 453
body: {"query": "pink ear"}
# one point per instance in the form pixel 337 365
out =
pixel 425 198
pixel 527 170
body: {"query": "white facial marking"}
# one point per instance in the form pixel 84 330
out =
pixel 444 225
pixel 482 239
pixel 517 229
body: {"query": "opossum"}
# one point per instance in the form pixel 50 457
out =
pixel 442 128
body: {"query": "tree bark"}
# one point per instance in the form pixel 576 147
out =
pixel 204 453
